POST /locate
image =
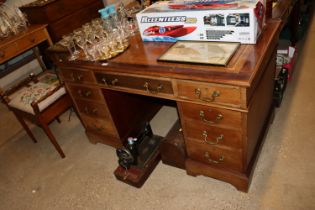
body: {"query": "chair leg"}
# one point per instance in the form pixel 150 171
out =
pixel 52 139
pixel 58 119
pixel 26 128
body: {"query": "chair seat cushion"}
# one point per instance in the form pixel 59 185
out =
pixel 47 85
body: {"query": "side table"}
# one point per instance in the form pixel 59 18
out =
pixel 24 41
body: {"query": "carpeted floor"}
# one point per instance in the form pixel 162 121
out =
pixel 34 177
pixel 8 125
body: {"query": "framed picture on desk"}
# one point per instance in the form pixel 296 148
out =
pixel 214 53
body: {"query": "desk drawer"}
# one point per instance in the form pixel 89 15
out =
pixel 8 51
pixel 92 109
pixel 83 92
pixel 211 116
pixel 78 76
pixel 151 86
pixel 99 125
pixel 209 93
pixel 214 156
pixel 31 40
pixel 213 136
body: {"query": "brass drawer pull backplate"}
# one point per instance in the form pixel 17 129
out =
pixel 90 112
pixel 76 78
pixel 216 141
pixel 214 95
pixel 203 118
pixel 86 94
pixel 150 90
pixel 114 82
pixel 104 81
pixel 220 160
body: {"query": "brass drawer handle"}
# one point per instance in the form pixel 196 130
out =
pixel 214 95
pixel 216 141
pixel 79 77
pixel 149 90
pixel 94 111
pixel 104 80
pixel 97 127
pixel 114 82
pixel 87 94
pixel 203 118
pixel 220 160
pixel 87 111
pixel 72 76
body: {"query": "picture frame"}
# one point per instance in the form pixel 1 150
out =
pixel 201 52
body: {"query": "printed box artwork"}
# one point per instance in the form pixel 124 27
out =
pixel 203 20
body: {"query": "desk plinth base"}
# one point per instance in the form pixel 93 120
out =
pixel 95 138
pixel 239 180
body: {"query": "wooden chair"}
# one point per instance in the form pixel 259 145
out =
pixel 39 99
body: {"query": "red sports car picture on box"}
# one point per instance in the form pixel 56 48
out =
pixel 172 31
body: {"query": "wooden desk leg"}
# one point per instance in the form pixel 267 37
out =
pixel 40 61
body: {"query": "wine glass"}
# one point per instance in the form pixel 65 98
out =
pixel 4 27
pixel 81 42
pixel 12 16
pixel 67 41
pixel 104 49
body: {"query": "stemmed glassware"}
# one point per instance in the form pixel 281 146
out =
pixel 12 20
pixel 67 41
pixel 100 40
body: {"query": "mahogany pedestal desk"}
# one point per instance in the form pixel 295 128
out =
pixel 224 111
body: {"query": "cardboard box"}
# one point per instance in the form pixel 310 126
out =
pixel 236 21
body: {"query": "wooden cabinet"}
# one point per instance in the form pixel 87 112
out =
pixel 223 111
pixel 62 16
